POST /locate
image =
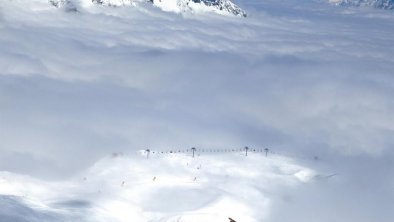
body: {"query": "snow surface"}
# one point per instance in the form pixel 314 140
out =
pixel 165 187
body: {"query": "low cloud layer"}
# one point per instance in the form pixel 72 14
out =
pixel 110 79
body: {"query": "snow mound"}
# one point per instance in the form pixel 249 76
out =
pixel 382 4
pixel 223 7
pixel 163 187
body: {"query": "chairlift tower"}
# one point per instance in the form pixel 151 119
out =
pixel 266 152
pixel 147 153
pixel 246 150
pixel 193 150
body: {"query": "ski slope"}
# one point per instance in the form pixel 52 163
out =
pixel 82 80
pixel 165 187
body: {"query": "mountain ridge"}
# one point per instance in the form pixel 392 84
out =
pixel 381 4
pixel 224 7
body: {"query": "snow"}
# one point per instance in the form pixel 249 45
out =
pixel 165 187
pixel 382 4
pixel 302 77
pixel 223 7
pixel 169 5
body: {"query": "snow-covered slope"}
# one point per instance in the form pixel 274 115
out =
pixel 165 187
pixel 59 3
pixel 224 7
pixel 114 2
pixel 219 6
pixel 383 4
